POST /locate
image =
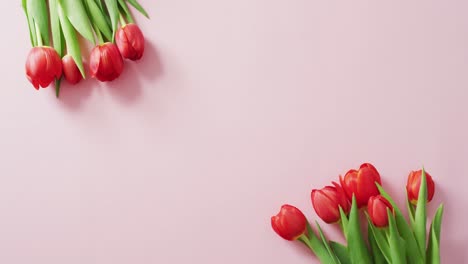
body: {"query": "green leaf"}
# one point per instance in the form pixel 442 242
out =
pixel 99 3
pixel 124 9
pixel 325 243
pixel 62 39
pixel 421 215
pixel 437 222
pixel 98 18
pixel 37 11
pixel 377 255
pixel 356 245
pixel 433 249
pixel 57 87
pixel 413 253
pixel 410 209
pixel 344 222
pixel 377 236
pixel 138 7
pixel 73 46
pixel 433 256
pixel 316 246
pixel 102 7
pixel 397 249
pixel 33 33
pixel 310 232
pixel 75 12
pixel 55 27
pixel 113 10
pixel 32 28
pixel 341 252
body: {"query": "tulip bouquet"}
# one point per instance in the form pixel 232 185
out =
pixel 55 27
pixel 390 237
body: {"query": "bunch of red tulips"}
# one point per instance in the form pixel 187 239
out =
pixel 391 238
pixel 54 26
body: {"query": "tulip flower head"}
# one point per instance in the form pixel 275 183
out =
pixel 361 183
pixel 105 62
pixel 327 203
pixel 130 41
pixel 414 183
pixel 43 65
pixel 70 70
pixel 290 223
pixel 377 209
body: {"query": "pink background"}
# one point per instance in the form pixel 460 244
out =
pixel 236 108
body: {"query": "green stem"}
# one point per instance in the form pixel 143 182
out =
pixel 130 19
pixel 123 4
pixel 122 20
pixel 303 238
pixel 38 35
pixel 317 248
pixel 98 34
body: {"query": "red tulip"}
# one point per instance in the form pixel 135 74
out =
pixel 414 183
pixel 130 41
pixel 105 62
pixel 289 223
pixel 70 70
pixel 43 65
pixel 361 183
pixel 327 203
pixel 377 208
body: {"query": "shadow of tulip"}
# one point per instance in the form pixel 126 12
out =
pixel 150 66
pixel 129 87
pixel 73 96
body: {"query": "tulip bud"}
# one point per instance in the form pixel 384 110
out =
pixel 43 65
pixel 361 183
pixel 327 203
pixel 105 62
pixel 130 41
pixel 377 209
pixel 289 223
pixel 70 70
pixel 414 183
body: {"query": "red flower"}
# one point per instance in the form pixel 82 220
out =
pixel 43 65
pixel 106 63
pixel 414 183
pixel 361 183
pixel 377 208
pixel 327 202
pixel 289 223
pixel 130 41
pixel 70 70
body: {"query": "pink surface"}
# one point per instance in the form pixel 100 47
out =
pixel 236 108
